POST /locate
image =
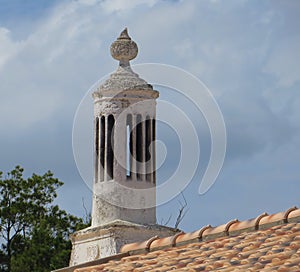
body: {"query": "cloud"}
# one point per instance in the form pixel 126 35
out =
pixel 283 64
pixel 246 52
pixel 8 48
pixel 37 77
pixel 111 6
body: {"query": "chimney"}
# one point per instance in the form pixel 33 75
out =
pixel 124 192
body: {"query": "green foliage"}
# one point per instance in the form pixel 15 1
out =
pixel 34 232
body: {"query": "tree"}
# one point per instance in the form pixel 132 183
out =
pixel 34 232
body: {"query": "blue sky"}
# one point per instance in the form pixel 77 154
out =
pixel 246 52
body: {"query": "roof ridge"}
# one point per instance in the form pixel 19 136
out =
pixel 232 228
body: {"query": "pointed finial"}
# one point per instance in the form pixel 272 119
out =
pixel 124 34
pixel 124 49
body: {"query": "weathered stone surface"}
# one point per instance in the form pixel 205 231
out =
pixel 124 49
pixel 99 242
pixel 123 94
pixel 124 79
pixel 123 206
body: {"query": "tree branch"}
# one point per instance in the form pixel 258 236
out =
pixel 182 212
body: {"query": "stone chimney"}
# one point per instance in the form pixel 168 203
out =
pixel 124 114
pixel 124 193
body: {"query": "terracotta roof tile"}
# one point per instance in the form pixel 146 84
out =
pixel 265 243
pixel 293 214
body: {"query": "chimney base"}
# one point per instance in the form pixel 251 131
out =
pixel 103 241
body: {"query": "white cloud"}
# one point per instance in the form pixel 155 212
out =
pixel 111 6
pixel 88 2
pixel 233 47
pixel 284 62
pixel 22 111
pixel 64 50
pixel 56 59
pixel 8 48
pixel 37 79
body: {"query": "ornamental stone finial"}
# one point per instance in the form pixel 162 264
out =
pixel 124 78
pixel 124 49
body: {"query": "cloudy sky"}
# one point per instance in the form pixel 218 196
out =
pixel 246 52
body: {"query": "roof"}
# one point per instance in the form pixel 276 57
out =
pixel 265 243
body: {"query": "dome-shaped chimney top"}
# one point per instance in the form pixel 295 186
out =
pixel 124 79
